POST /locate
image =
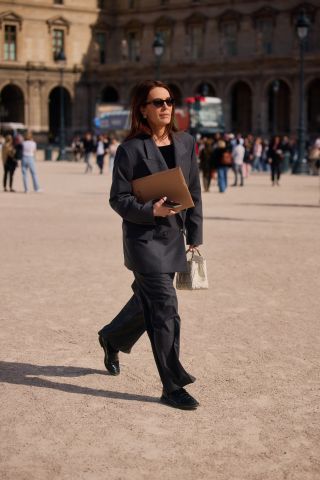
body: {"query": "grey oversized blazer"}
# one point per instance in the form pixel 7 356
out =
pixel 155 244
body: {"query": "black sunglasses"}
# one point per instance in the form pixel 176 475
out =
pixel 158 102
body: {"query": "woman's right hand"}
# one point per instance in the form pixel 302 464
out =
pixel 160 211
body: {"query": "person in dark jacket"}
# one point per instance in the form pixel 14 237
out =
pixel 153 239
pixel 88 148
pixel 206 163
pixel 275 158
pixel 9 162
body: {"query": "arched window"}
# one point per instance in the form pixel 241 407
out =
pixel 12 104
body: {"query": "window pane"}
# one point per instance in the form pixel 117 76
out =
pixel 100 39
pixel 230 39
pixel 57 42
pixel 10 42
pixel 196 41
pixel 166 36
pixel 133 47
pixel 265 32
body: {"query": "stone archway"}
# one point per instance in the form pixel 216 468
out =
pixel 278 98
pixel 241 108
pixel 205 89
pixel 12 104
pixel 109 95
pixel 313 103
pixel 55 113
pixel 177 94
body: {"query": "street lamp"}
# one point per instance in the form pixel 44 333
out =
pixel 275 90
pixel 302 29
pixel 158 50
pixel 60 59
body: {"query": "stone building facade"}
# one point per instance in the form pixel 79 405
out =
pixel 245 52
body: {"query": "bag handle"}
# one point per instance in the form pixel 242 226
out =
pixel 192 252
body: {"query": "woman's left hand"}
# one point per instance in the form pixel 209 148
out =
pixel 192 248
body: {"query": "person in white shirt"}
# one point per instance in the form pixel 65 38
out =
pixel 238 157
pixel 29 148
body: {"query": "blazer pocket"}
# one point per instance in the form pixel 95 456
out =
pixel 138 232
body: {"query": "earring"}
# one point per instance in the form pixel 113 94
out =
pixel 145 117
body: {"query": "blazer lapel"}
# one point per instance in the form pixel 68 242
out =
pixel 181 159
pixel 154 160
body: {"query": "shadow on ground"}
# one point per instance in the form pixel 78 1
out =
pixel 291 205
pixel 231 219
pixel 27 374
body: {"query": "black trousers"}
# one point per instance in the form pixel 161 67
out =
pixel 8 173
pixel 275 171
pixel 152 308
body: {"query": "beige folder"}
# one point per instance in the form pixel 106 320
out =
pixel 168 183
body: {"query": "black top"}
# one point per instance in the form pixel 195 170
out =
pixel 167 152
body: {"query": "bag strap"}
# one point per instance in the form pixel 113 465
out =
pixel 192 253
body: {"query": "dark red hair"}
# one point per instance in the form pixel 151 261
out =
pixel 140 95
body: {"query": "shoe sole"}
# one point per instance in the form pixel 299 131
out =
pixel 168 402
pixel 106 359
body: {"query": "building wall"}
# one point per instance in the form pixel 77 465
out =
pixel 217 42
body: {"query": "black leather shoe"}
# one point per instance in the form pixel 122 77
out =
pixel 111 357
pixel 179 399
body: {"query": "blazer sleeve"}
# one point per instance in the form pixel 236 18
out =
pixel 194 219
pixel 122 199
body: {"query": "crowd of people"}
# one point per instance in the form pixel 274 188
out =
pixel 245 154
pixel 90 146
pixel 18 149
pixel 218 156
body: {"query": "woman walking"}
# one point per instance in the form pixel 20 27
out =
pixel 9 163
pixel 29 148
pixel 153 239
pixel 275 156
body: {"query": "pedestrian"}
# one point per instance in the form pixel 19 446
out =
pixel 238 156
pixel 153 239
pixel 206 163
pixel 88 149
pixel 77 148
pixel 248 157
pixel 221 161
pixel 9 162
pixel 101 151
pixel 257 155
pixel 29 148
pixel 275 156
pixel 113 147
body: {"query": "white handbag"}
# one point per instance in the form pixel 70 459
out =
pixel 196 277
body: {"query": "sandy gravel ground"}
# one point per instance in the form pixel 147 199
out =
pixel 252 340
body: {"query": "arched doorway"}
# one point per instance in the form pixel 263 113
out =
pixel 241 108
pixel 205 89
pixel 109 95
pixel 278 108
pixel 177 95
pixel 313 102
pixel 55 113
pixel 12 104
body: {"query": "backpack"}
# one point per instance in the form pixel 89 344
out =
pixel 226 159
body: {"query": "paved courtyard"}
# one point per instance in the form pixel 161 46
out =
pixel 252 340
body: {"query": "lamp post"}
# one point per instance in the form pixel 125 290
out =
pixel 302 29
pixel 275 90
pixel 158 50
pixel 60 59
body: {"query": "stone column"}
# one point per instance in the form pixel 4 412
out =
pixel 34 105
